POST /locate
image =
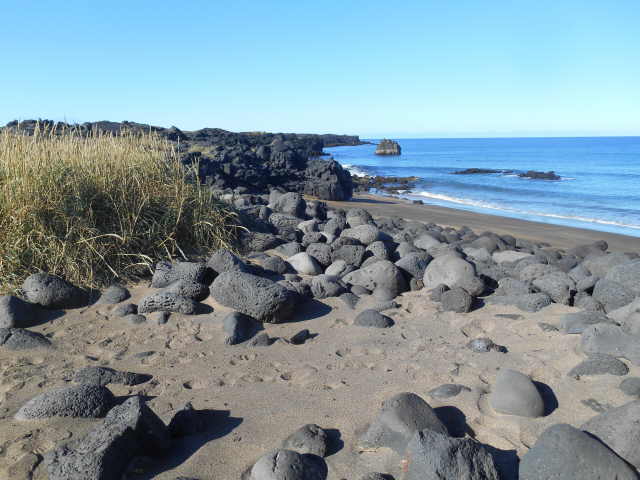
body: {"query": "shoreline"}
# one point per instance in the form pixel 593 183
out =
pixel 556 235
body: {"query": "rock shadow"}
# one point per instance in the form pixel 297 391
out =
pixel 506 462
pixel 218 423
pixel 549 398
pixel 309 310
pixel 455 420
pixel 334 441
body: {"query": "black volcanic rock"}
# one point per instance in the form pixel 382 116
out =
pixel 479 171
pixel 256 161
pixel 540 175
pixel 388 147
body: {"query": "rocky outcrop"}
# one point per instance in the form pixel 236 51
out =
pixel 540 175
pixel 253 161
pixel 388 147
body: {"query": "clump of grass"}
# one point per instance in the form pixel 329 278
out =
pixel 96 207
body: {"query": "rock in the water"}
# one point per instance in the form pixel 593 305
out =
pixel 577 322
pixel 114 294
pixel 456 300
pixel 78 401
pixel 432 455
pixel 16 313
pixel 21 339
pixel 167 302
pixel 305 264
pixel 515 394
pixel 598 364
pixel 103 376
pixel 448 390
pixel 129 430
pixel 563 452
pixel 381 276
pixel 453 272
pixel 631 386
pixel 258 297
pixel 50 291
pixel 399 419
pixel 388 147
pixel 238 327
pixel 308 439
pixel 166 273
pixel 373 318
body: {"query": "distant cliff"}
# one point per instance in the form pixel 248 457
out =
pixel 255 161
pixel 388 147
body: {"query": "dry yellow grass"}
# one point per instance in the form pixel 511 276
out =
pixel 98 207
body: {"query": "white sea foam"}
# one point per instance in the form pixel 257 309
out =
pixel 481 204
pixel 354 170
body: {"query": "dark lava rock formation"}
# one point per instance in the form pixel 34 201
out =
pixel 253 161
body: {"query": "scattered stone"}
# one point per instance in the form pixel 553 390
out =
pixel 261 340
pixel 577 322
pixel 16 313
pixel 612 294
pixel 167 302
pixel 414 264
pixel 448 390
pixel 509 256
pixel 125 309
pixel 453 272
pixel 598 364
pixel 515 394
pixel 276 265
pixel 456 300
pixel 102 376
pixel 184 288
pixel 382 277
pixel 627 274
pixel 238 327
pixel 352 254
pixel 286 465
pixel 533 302
pixel 373 318
pixel 433 455
pixel 129 430
pixel 21 339
pixel 365 234
pixel 305 264
pixel 166 273
pixel 289 249
pixel 258 297
pixel 114 294
pixel 595 405
pixel 631 386
pixel 290 203
pixel 135 319
pixel 321 252
pixel 308 439
pixel 223 260
pixel 608 339
pixel 484 345
pixel 547 327
pixel 619 429
pixel 160 318
pixel 564 452
pixel 399 419
pixel 77 401
pixel 52 292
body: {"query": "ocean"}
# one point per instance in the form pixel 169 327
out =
pixel 599 187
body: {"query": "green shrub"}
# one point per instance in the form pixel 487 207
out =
pixel 96 207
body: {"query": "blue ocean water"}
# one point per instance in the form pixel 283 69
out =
pixel 599 190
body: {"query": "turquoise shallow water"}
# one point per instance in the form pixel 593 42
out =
pixel 599 190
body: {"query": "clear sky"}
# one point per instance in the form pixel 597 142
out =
pixel 404 69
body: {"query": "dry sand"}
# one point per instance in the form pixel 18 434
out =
pixel 259 395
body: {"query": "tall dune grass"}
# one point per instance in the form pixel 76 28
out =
pixel 96 207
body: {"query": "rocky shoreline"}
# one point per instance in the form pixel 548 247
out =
pixel 299 260
pixel 533 174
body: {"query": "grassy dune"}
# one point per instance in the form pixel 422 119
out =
pixel 95 208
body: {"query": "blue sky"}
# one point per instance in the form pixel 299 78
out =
pixel 373 68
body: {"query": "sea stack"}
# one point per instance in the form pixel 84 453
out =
pixel 388 147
